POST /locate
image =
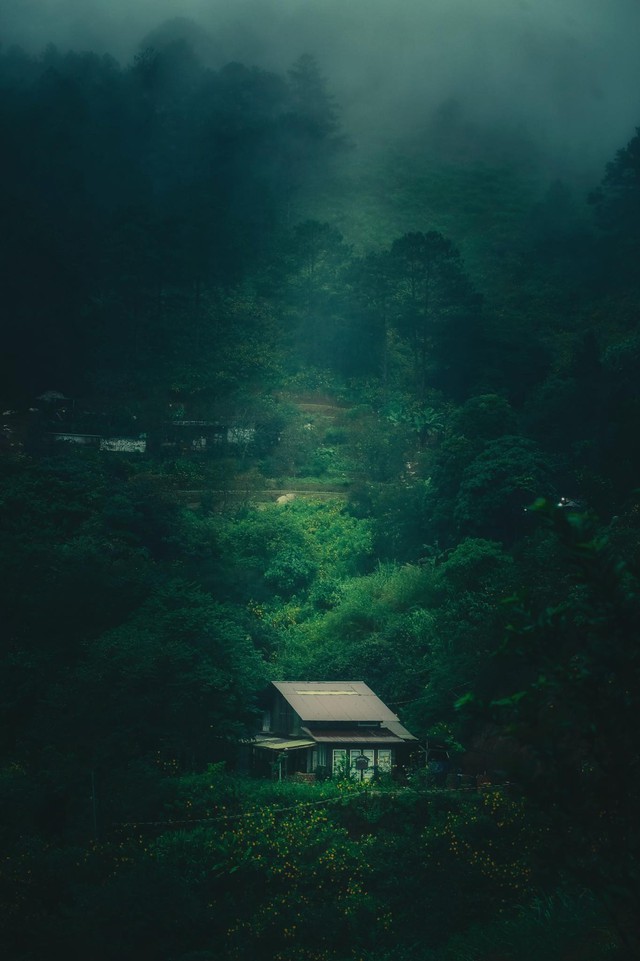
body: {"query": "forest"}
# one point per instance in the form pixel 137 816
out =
pixel 275 407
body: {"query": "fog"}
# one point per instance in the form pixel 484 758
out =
pixel 566 71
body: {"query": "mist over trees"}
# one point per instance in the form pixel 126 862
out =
pixel 565 73
pixel 305 376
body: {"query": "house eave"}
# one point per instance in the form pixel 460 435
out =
pixel 353 736
pixel 272 743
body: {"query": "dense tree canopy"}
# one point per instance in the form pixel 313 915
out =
pixel 258 426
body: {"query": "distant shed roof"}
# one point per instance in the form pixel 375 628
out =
pixel 350 701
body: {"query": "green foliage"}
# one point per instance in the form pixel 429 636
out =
pixel 567 924
pixel 288 573
pixel 483 418
pixel 567 691
pixel 498 485
pixel 375 631
pixel 469 587
pixel 617 205
pixel 291 547
pixel 178 226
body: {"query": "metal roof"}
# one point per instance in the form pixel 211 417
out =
pixel 358 735
pixel 397 728
pixel 350 701
pixel 282 743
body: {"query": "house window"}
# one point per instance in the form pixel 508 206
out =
pixel 381 758
pixel 339 761
pixel 367 774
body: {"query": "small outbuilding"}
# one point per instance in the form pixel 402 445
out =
pixel 328 728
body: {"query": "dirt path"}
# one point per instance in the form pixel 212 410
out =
pixel 193 498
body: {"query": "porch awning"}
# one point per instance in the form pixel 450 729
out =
pixel 374 735
pixel 283 743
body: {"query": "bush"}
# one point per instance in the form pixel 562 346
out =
pixel 289 572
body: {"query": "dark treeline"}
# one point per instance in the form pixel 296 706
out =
pixel 139 196
pixel 182 267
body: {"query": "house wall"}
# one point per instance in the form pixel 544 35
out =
pixel 334 759
pixel 123 445
pixel 284 720
pixel 324 755
pixel 382 758
pixel 82 440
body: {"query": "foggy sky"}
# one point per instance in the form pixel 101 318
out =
pixel 567 69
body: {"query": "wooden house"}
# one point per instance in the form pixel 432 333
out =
pixel 329 728
pixel 77 439
pixel 201 435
